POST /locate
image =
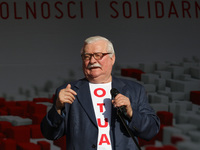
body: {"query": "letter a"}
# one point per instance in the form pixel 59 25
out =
pixel 104 139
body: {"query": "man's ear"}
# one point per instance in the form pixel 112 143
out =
pixel 113 59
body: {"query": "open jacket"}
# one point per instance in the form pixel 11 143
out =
pixel 78 121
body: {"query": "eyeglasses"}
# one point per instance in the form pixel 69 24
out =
pixel 97 56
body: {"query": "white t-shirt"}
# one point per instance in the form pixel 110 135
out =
pixel 101 99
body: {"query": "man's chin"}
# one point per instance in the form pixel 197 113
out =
pixel 93 75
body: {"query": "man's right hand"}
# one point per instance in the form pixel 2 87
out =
pixel 66 95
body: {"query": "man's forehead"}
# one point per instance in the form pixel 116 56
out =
pixel 99 45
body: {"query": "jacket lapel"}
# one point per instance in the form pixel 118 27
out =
pixel 85 100
pixel 119 85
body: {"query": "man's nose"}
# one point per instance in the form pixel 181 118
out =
pixel 92 59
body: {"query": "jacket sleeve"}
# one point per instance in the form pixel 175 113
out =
pixel 145 123
pixel 53 124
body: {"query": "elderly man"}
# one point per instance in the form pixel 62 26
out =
pixel 85 112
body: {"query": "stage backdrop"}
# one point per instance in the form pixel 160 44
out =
pixel 40 40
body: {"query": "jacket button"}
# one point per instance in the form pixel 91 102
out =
pixel 93 146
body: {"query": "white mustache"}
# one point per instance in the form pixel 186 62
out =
pixel 93 65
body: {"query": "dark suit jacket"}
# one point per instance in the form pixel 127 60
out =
pixel 78 121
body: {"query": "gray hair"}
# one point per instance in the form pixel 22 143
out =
pixel 92 39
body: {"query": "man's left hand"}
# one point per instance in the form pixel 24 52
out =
pixel 121 100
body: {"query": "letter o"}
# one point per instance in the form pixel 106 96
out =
pixel 99 95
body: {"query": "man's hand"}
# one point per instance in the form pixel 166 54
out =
pixel 66 95
pixel 121 100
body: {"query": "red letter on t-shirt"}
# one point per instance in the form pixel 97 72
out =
pixel 100 106
pixel 104 139
pixel 105 124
